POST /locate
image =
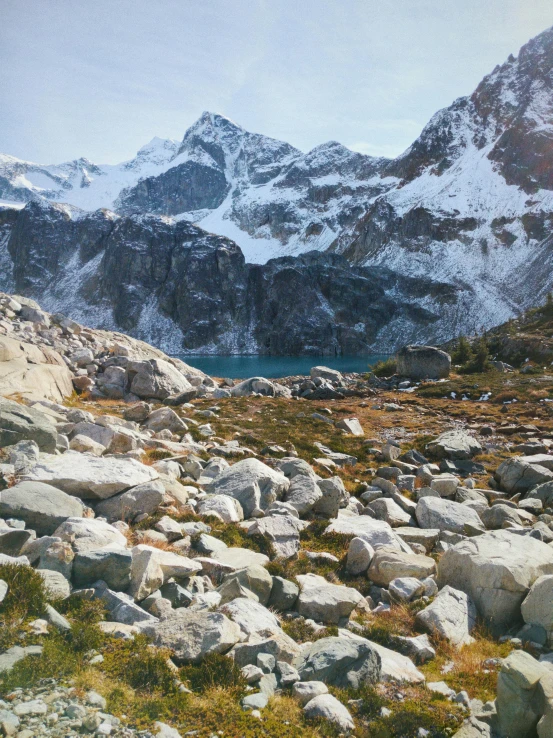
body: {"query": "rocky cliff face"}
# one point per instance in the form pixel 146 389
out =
pixel 470 204
pixel 183 289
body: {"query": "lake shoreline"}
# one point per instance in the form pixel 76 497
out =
pixel 236 366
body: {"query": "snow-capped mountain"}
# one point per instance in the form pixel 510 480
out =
pixel 469 204
pixel 265 194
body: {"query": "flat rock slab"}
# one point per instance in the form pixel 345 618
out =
pixel 89 477
pixel 375 532
pixel 239 558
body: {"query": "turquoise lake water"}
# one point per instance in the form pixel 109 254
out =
pixel 242 367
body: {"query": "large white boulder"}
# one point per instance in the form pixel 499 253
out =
pixel 254 484
pixel 496 570
pixel 436 512
pixel 90 477
pixel 157 379
pixel 88 534
pixel 454 444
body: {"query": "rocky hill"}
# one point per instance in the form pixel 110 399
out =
pixel 469 203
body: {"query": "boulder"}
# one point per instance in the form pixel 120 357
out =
pixel 157 379
pixel 32 372
pixel 22 423
pixel 255 578
pixel 324 372
pixel 405 589
pixel 259 386
pixel 89 477
pixel 375 532
pixel 252 617
pixel 41 506
pixel 121 608
pixel 283 531
pixel 519 475
pixel 284 594
pixel 386 509
pixel 388 563
pixel 254 484
pixel 151 567
pixel 340 661
pixel 325 602
pixel 303 493
pixel 86 534
pixel 334 497
pixel 278 644
pixel 537 607
pixel 351 425
pixel 306 691
pixel 454 444
pixel 226 508
pixel 436 512
pixel 239 558
pixel 360 555
pixel 500 516
pixel 327 707
pixel 12 540
pixel 56 584
pixel 110 564
pixel 496 570
pixel 143 499
pixel 191 635
pixel 518 702
pixel 165 419
pixel 423 362
pixel 452 615
pixel 397 668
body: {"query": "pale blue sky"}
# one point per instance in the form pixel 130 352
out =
pixel 100 78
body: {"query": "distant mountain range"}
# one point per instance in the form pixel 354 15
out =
pixel 456 231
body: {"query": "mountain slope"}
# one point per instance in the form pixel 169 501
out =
pixel 184 289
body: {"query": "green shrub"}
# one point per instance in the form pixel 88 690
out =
pixel 300 631
pixel 385 368
pixel 215 671
pixel 139 666
pixel 26 598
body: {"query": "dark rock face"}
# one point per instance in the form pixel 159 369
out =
pixel 190 186
pixel 143 271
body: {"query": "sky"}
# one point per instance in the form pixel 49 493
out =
pixel 100 78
